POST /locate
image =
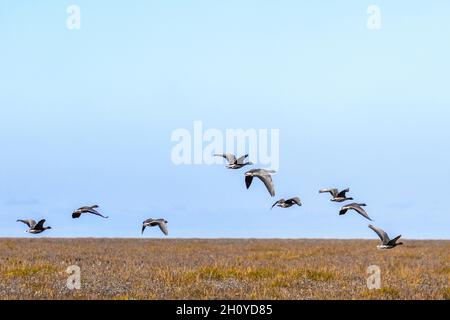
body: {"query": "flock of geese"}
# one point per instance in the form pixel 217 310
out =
pixel 336 196
pixel 35 228
pixel 266 177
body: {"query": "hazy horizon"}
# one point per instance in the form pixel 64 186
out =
pixel 198 238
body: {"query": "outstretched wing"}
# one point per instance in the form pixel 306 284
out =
pixel 342 193
pixel 29 222
pixel 241 159
pixel 361 211
pixel 333 192
pixel 230 157
pixel 248 181
pixel 93 211
pixel 279 201
pixel 39 225
pixel 383 235
pixel 295 200
pixel 393 241
pixel 146 223
pixel 267 180
pixel 163 226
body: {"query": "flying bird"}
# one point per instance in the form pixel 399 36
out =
pixel 87 209
pixel 357 207
pixel 386 242
pixel 336 195
pixel 234 163
pixel 264 176
pixel 161 223
pixel 282 203
pixel 34 227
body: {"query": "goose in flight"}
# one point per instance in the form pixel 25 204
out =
pixel 386 242
pixel 87 209
pixel 264 176
pixel 282 203
pixel 34 227
pixel 161 223
pixel 336 195
pixel 234 163
pixel 357 207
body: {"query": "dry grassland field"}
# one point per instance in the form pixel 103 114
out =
pixel 222 269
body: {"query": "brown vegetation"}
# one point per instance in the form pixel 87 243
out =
pixel 224 269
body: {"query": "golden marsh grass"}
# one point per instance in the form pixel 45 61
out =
pixel 125 269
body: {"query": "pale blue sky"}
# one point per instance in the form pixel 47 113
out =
pixel 86 116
